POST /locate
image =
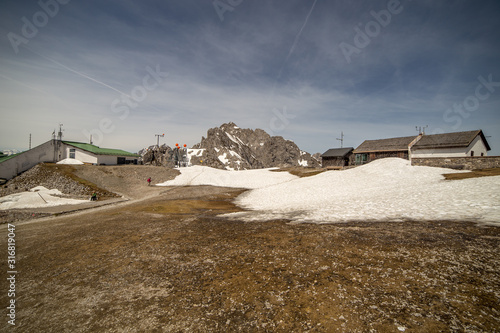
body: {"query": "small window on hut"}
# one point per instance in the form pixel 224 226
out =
pixel 72 153
pixel 472 153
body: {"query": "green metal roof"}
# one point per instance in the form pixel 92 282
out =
pixel 99 151
pixel 6 157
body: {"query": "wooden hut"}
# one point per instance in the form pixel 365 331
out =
pixel 337 157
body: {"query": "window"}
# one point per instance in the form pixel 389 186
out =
pixel 361 158
pixel 72 152
pixel 472 153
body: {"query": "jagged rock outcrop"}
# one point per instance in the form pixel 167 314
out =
pixel 233 148
pixel 159 156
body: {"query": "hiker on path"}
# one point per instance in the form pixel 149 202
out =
pixel 93 197
pixel 149 181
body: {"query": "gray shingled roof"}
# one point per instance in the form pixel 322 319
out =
pixel 393 144
pixel 449 140
pixel 433 141
pixel 337 152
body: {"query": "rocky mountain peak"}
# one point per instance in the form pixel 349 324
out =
pixel 233 148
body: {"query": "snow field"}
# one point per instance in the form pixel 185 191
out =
pixel 251 179
pixel 37 197
pixel 384 190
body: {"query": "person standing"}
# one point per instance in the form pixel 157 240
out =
pixel 149 181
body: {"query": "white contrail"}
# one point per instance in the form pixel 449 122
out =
pixel 297 37
pixel 300 32
pixel 78 73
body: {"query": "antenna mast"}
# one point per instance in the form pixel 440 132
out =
pixel 341 139
pixel 59 134
pixel 421 129
pixel 158 139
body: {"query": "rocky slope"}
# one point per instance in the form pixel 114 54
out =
pixel 52 176
pixel 233 148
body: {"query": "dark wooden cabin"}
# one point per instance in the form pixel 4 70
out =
pixel 337 157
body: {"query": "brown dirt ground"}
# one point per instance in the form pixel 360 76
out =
pixel 126 180
pixel 169 263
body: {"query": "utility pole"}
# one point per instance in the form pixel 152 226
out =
pixel 341 139
pixel 158 139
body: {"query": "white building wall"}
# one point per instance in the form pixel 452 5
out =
pixel 108 159
pixel 50 151
pixel 85 156
pixel 81 155
pixel 477 145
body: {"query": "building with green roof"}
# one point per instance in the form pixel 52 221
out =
pixel 56 150
pixel 91 154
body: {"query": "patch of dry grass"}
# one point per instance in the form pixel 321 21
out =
pixel 301 171
pixel 473 174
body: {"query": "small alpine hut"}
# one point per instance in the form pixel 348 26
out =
pixel 336 158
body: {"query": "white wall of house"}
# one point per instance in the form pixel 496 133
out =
pixel 81 155
pixel 108 159
pixel 88 157
pixel 50 151
pixel 477 146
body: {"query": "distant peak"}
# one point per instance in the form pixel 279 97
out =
pixel 229 125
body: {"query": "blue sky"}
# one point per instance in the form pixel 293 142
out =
pixel 306 70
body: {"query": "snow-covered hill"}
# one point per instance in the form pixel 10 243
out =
pixel 388 189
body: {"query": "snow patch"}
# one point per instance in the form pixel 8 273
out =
pixel 194 152
pixel 223 158
pixel 37 197
pixel 251 179
pixel 233 153
pixel 232 138
pixel 70 161
pixel 302 163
